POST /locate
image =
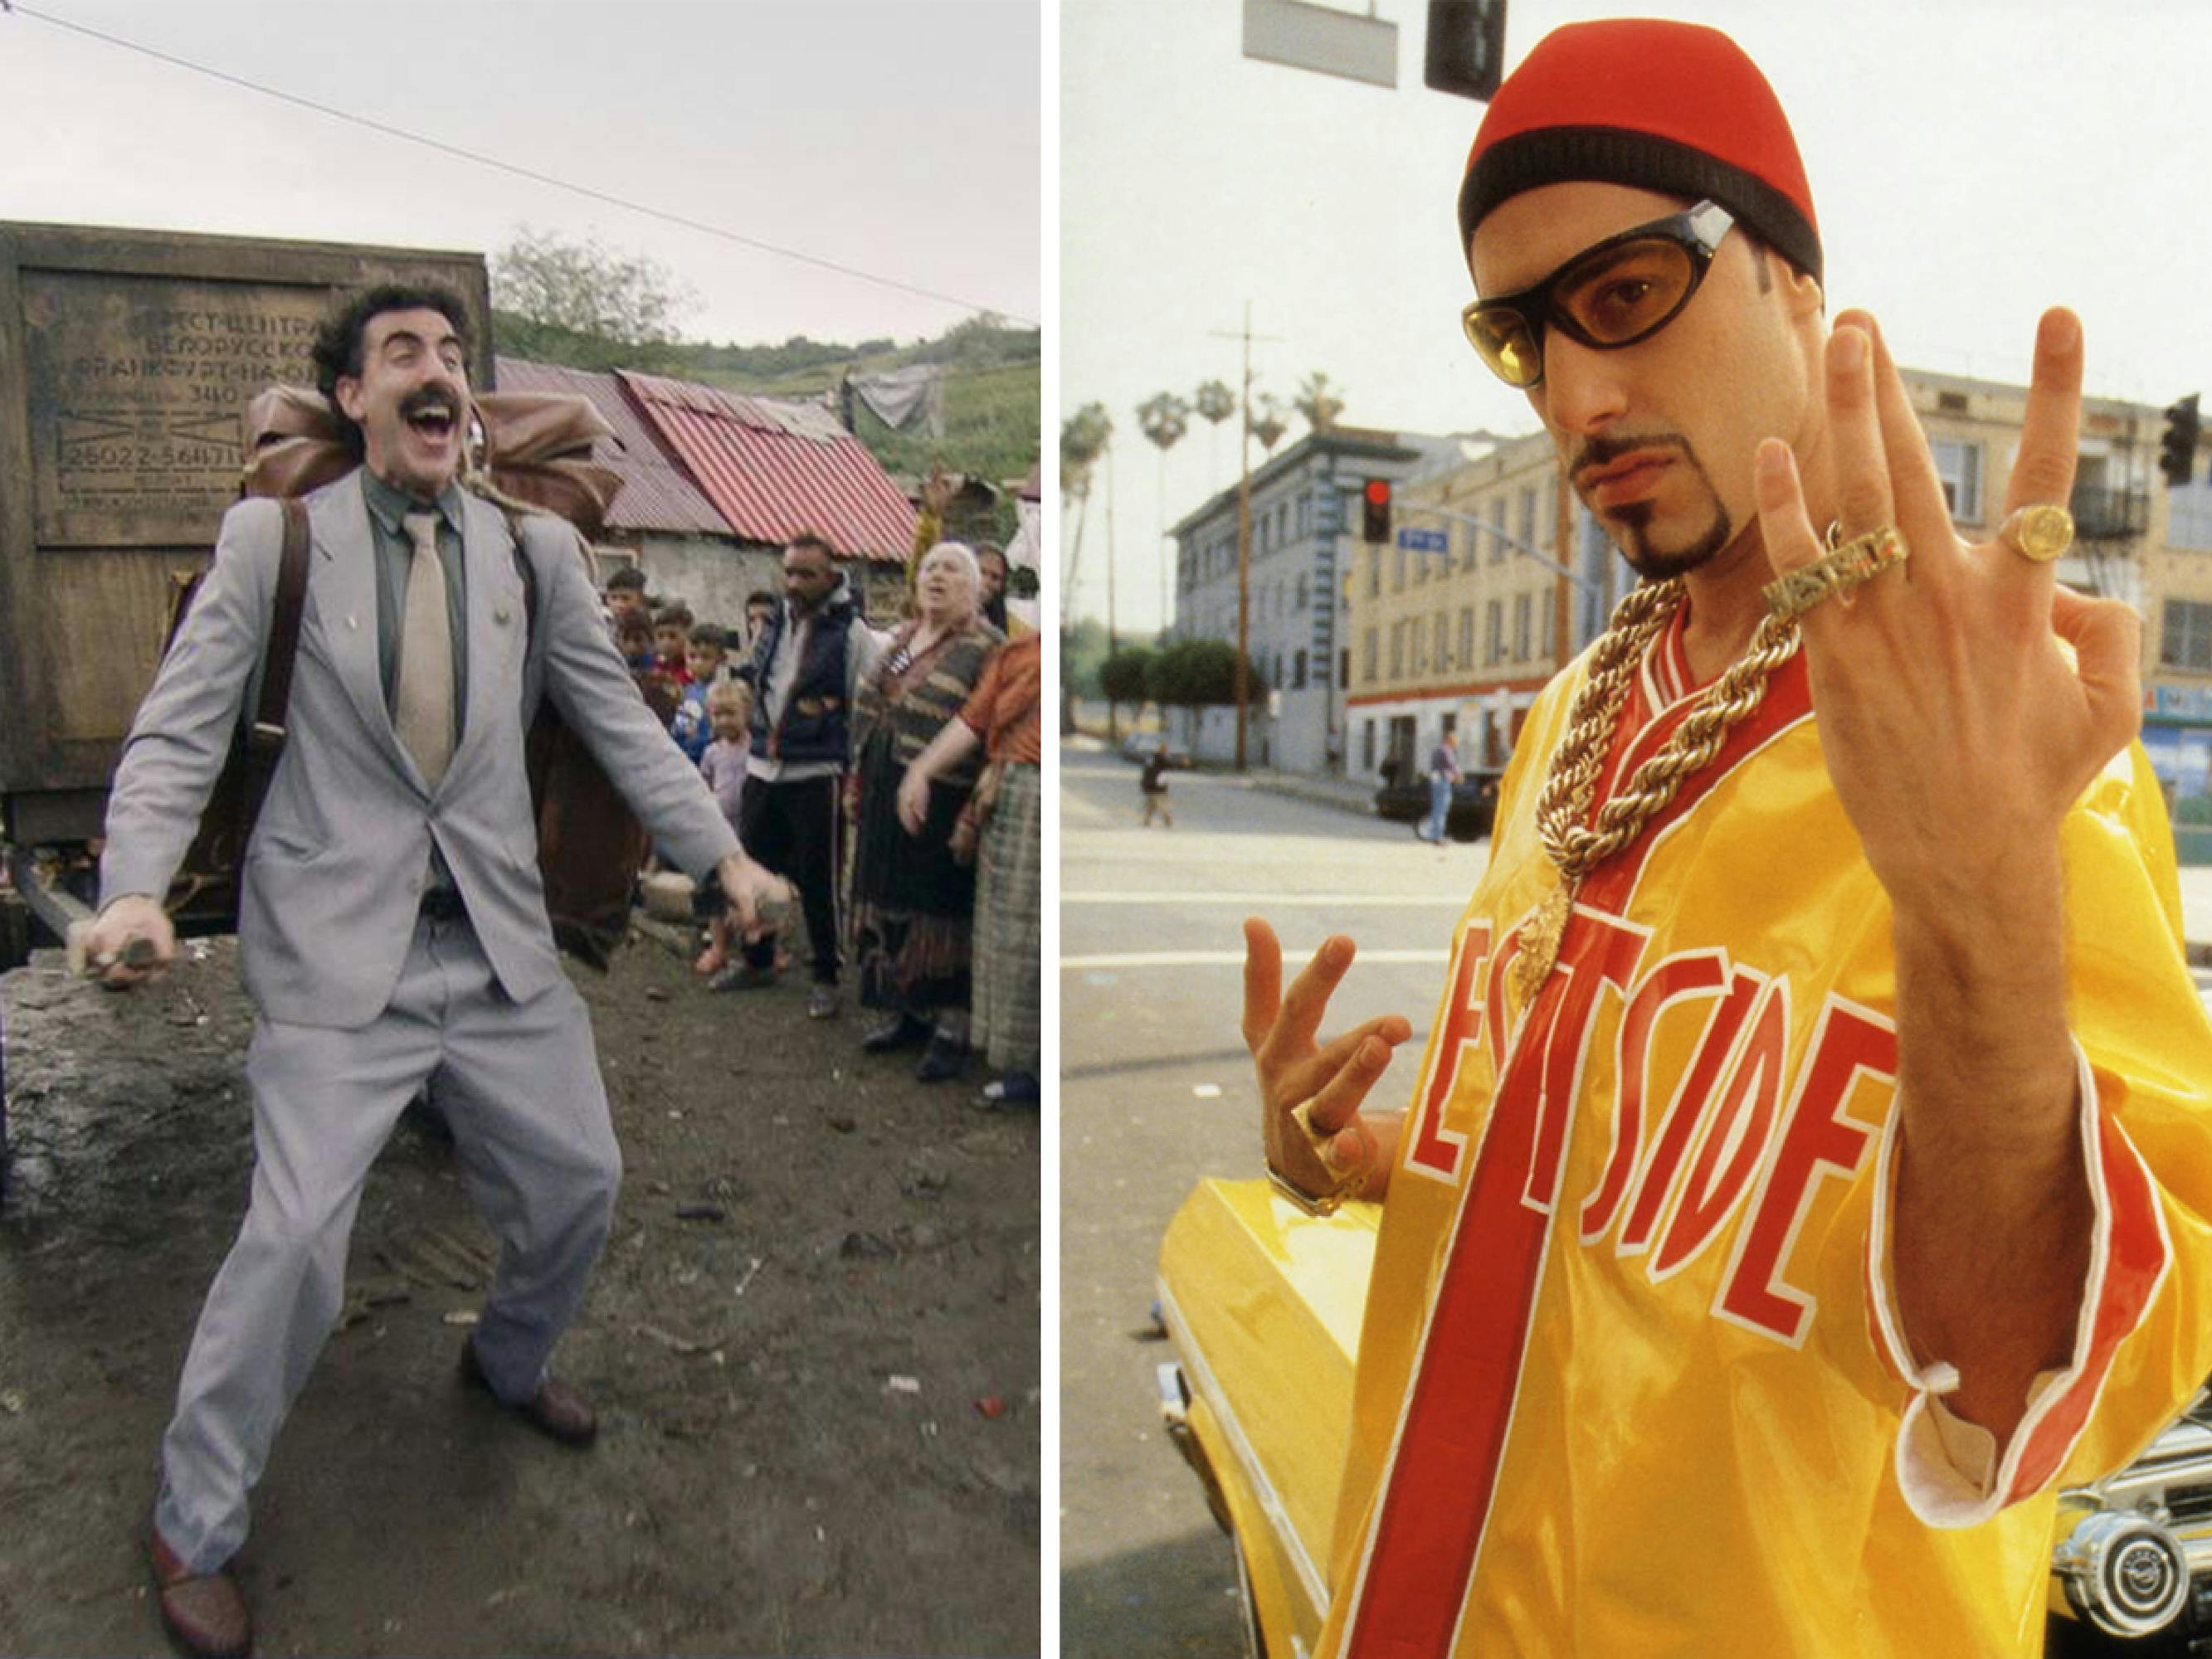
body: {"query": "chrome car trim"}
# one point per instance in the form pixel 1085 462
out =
pixel 2125 1572
pixel 1200 1376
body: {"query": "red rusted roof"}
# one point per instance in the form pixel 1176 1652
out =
pixel 655 494
pixel 775 469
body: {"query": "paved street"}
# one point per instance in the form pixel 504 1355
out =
pixel 1156 1093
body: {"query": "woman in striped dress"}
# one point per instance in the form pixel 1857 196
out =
pixel 913 898
pixel 1003 814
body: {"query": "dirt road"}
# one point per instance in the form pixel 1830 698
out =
pixel 813 1343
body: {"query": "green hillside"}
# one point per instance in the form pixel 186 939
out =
pixel 993 389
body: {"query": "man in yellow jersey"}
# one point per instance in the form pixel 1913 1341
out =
pixel 1811 1165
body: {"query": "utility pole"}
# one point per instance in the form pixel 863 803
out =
pixel 1243 536
pixel 1113 631
pixel 1244 544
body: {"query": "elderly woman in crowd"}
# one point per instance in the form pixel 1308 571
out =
pixel 1004 813
pixel 912 899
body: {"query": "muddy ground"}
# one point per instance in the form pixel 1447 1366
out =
pixel 813 1343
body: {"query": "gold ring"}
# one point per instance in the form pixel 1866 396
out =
pixel 2038 534
pixel 1301 1115
pixel 1348 1182
pixel 1858 560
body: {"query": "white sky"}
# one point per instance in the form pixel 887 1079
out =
pixel 1971 163
pixel 900 138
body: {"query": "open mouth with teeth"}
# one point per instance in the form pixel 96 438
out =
pixel 432 415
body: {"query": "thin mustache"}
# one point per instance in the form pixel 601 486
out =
pixel 1603 452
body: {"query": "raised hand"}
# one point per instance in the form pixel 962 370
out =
pixel 1957 731
pixel 1348 1154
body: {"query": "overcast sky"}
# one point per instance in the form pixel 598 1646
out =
pixel 900 139
pixel 1971 164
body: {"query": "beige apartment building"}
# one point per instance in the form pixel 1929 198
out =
pixel 1454 626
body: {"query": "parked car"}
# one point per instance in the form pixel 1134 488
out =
pixel 1404 799
pixel 1263 1306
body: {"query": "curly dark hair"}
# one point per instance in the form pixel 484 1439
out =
pixel 336 350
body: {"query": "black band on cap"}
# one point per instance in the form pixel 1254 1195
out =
pixel 1613 155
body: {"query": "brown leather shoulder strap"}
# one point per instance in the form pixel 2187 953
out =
pixel 265 739
pixel 527 570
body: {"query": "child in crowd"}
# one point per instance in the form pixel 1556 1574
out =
pixel 729 706
pixel 634 638
pixel 760 606
pixel 625 594
pixel 671 641
pixel 690 727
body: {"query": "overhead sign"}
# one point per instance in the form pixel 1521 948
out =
pixel 1319 37
pixel 1426 541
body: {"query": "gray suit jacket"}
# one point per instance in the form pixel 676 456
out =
pixel 335 870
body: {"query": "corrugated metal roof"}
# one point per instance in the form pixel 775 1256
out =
pixel 775 469
pixel 655 495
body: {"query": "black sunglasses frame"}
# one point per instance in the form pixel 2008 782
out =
pixel 1698 231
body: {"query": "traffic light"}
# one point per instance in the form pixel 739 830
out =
pixel 1374 500
pixel 2177 451
pixel 1466 48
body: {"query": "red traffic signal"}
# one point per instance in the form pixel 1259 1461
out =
pixel 1375 501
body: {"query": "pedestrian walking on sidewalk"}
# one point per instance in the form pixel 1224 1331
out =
pixel 1443 772
pixel 1154 785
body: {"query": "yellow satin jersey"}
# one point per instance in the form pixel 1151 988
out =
pixel 1628 1381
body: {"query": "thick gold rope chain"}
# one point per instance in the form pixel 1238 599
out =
pixel 1571 779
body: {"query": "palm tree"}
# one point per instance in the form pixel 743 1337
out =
pixel 1165 417
pixel 1268 424
pixel 1317 402
pixel 1083 438
pixel 1217 403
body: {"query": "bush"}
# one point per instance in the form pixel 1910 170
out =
pixel 1126 677
pixel 1192 673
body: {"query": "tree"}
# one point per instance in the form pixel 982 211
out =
pixel 1082 654
pixel 1268 424
pixel 1215 401
pixel 1317 402
pixel 585 288
pixel 1126 677
pixel 1165 418
pixel 1083 437
pixel 1192 673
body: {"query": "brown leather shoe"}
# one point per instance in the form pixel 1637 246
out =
pixel 557 1410
pixel 204 1614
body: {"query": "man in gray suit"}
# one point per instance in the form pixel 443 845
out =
pixel 392 930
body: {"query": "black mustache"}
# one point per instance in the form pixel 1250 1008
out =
pixel 430 398
pixel 1603 451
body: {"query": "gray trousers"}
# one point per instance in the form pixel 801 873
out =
pixel 519 1083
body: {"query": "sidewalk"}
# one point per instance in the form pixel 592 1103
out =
pixel 1355 795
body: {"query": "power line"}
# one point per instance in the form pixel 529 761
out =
pixel 13 8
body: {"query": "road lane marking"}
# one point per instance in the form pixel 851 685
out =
pixel 1231 959
pixel 1274 901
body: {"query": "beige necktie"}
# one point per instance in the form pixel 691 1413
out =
pixel 422 710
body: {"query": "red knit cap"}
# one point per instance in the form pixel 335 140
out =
pixel 1675 107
